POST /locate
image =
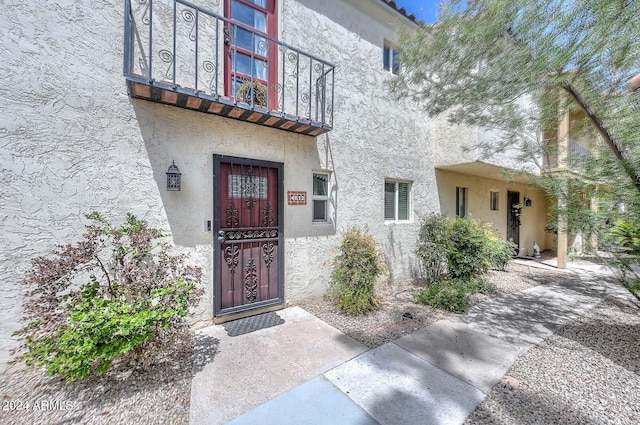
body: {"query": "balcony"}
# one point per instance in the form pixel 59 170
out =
pixel 576 155
pixel 181 54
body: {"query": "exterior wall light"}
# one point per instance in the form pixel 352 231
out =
pixel 527 202
pixel 173 177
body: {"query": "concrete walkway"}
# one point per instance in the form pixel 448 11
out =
pixel 306 372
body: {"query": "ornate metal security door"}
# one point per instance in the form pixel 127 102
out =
pixel 513 219
pixel 248 239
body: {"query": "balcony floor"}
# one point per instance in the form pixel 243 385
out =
pixel 191 99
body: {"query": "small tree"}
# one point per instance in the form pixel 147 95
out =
pixel 355 270
pixel 119 293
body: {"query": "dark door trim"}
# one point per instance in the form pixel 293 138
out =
pixel 513 220
pixel 217 243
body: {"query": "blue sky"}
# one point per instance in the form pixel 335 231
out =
pixel 425 10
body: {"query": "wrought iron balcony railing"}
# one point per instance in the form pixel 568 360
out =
pixel 576 156
pixel 178 53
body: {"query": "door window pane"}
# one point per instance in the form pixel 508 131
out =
pixel 243 39
pixel 248 15
pixel 242 64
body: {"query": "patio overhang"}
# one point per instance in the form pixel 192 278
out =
pixel 489 171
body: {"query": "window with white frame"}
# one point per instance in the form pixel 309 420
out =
pixel 320 197
pixel 461 202
pixel 391 59
pixel 397 200
pixel 494 199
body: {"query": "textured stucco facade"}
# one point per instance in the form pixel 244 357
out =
pixel 73 141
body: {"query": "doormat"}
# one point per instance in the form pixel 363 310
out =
pixel 252 323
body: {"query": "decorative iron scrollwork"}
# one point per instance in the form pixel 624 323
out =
pixel 251 281
pixel 231 257
pixel 210 68
pixel 268 250
pixel 267 210
pixel 277 88
pixel 145 16
pixel 252 234
pixel 189 17
pixel 167 57
pixel 250 188
pixel 232 216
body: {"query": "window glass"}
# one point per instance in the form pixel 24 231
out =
pixel 385 57
pixel 320 183
pixel 391 59
pixel 396 62
pixel 320 197
pixel 248 15
pixel 397 200
pixel 389 201
pixel 261 3
pixel 242 64
pixel 403 201
pixel 493 200
pixel 461 202
pixel 319 210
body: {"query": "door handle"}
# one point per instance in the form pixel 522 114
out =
pixel 221 236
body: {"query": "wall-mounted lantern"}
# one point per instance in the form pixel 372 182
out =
pixel 173 177
pixel 527 202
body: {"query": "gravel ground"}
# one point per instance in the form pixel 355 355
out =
pixel 387 322
pixel 159 395
pixel 587 373
pixel 590 374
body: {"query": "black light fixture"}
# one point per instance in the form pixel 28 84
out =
pixel 173 177
pixel 527 202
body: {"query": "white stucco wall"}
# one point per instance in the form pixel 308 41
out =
pixel 463 144
pixel 70 140
pixel 373 137
pixel 73 141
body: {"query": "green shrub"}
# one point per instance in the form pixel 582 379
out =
pixel 466 248
pixel 460 248
pixel 432 247
pixel 479 285
pixel 131 306
pixel 455 253
pixel 355 271
pixel 447 294
pixel 499 252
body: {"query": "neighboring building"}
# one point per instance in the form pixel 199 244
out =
pixel 276 114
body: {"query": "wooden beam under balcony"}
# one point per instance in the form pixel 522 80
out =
pixel 181 97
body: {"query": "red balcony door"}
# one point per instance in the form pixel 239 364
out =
pixel 249 56
pixel 248 242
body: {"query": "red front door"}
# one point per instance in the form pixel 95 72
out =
pixel 248 239
pixel 250 57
